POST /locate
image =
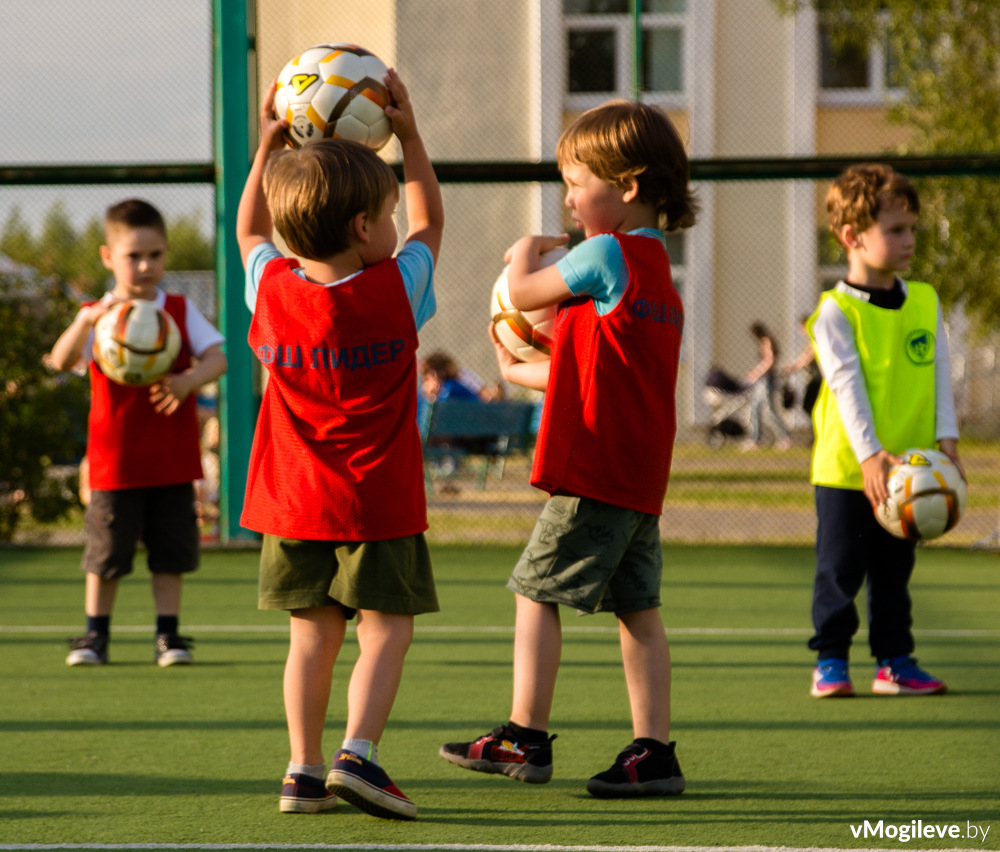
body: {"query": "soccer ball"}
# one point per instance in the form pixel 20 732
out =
pixel 927 496
pixel 527 335
pixel 334 91
pixel 136 343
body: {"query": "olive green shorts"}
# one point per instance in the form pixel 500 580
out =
pixel 392 576
pixel 592 556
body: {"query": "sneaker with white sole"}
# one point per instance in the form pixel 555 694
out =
pixel 91 649
pixel 303 794
pixel 640 771
pixel 502 752
pixel 367 786
pixel 173 650
pixel 831 678
pixel 902 676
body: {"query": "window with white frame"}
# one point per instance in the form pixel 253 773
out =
pixel 600 41
pixel 854 68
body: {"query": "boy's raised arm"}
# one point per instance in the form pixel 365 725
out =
pixel 253 219
pixel 424 205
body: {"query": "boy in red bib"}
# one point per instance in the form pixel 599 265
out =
pixel 336 469
pixel 143 447
pixel 605 441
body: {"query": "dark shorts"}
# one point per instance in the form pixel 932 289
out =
pixel 162 518
pixel 592 556
pixel 392 576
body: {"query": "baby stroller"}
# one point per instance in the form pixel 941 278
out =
pixel 729 400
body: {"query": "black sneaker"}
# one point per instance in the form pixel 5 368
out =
pixel 502 753
pixel 173 650
pixel 303 794
pixel 637 771
pixel 91 649
pixel 367 786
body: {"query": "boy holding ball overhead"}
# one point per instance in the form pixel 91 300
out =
pixel 336 469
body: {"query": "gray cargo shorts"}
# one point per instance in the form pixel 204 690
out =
pixel 591 556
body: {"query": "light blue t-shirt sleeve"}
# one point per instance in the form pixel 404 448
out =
pixel 596 268
pixel 260 255
pixel 416 265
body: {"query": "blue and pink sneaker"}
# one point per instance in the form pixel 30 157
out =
pixel 902 676
pixel 830 678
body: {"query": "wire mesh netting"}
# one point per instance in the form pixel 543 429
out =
pixel 743 82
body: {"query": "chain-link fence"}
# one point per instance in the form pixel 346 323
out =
pixel 493 85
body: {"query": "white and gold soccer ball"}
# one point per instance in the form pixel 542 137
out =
pixel 527 335
pixel 136 343
pixel 334 91
pixel 927 496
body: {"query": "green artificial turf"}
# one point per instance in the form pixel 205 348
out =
pixel 133 754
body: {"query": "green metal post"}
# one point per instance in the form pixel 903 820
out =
pixel 637 81
pixel 233 84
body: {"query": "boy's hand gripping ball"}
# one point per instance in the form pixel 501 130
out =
pixel 527 335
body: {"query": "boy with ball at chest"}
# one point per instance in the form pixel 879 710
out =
pixel 605 441
pixel 880 344
pixel 143 447
pixel 336 470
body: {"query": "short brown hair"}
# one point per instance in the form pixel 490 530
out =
pixel 440 363
pixel 132 213
pixel 314 192
pixel 624 140
pixel 861 192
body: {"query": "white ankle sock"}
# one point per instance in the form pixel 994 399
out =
pixel 365 748
pixel 315 770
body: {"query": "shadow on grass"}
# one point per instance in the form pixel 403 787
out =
pixel 90 784
pixel 28 726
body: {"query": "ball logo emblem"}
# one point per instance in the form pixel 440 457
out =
pixel 301 82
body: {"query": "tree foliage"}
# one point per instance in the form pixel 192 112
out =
pixel 43 417
pixel 188 248
pixel 73 257
pixel 949 68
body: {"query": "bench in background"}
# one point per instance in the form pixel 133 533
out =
pixel 456 429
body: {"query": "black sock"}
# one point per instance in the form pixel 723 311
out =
pixel 529 735
pixel 99 624
pixel 655 746
pixel 167 623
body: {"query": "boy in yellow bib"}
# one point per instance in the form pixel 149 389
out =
pixel 880 344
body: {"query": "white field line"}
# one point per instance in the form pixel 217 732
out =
pixel 427 847
pixel 487 629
